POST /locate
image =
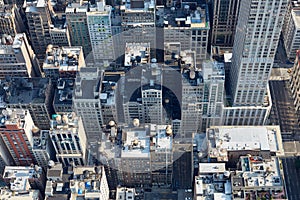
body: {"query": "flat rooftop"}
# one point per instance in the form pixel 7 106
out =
pixel 222 139
pixel 13 172
pixel 137 144
pixel 64 92
pixel 257 173
pixel 136 53
pixel 213 70
pixel 216 183
pixel 40 140
pixel 13 117
pixel 108 89
pixel 138 5
pixel 87 84
pixel 206 168
pixel 191 74
pixel 64 59
pixel 8 194
pixel 64 121
pixel 196 18
pixel 25 90
pixel 163 141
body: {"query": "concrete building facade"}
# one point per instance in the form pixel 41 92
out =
pixel 69 139
pixel 225 17
pixel 17 57
pixel 254 50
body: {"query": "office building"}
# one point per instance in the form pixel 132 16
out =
pixel 214 93
pixel 138 155
pixel 161 155
pixel 59 31
pixel 172 89
pixel 295 82
pixel 58 182
pixel 183 164
pixel 29 194
pixel 10 20
pixel 43 149
pixel 86 101
pixel 247 115
pixel 34 95
pixel 202 94
pixel 257 177
pixel 17 57
pixel 69 139
pixel 77 26
pixel 99 25
pixel 290 29
pixel 187 26
pixel 62 62
pixel 292 34
pixel 142 90
pixel 135 158
pixel 38 21
pixel 138 22
pixel 109 98
pixel 225 17
pixel 16 133
pixel 212 182
pixel 192 95
pixel 254 50
pixel 95 183
pixel 228 143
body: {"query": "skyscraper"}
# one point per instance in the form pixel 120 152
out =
pixel 99 25
pixel 39 20
pixel 225 15
pixel 77 25
pixel 86 101
pixel 257 35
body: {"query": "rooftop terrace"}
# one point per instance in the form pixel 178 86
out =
pixel 63 59
pixel 195 18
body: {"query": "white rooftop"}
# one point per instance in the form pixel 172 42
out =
pixel 163 141
pixel 222 196
pixel 245 138
pixel 137 144
pixel 134 50
pixel 205 168
pixel 258 173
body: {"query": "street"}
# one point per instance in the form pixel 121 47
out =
pixel 292 178
pixel 283 112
